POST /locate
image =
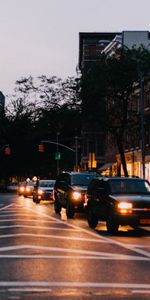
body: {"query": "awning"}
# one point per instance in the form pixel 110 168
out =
pixel 105 166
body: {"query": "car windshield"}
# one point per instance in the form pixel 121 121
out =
pixel 47 183
pixel 30 183
pixel 82 179
pixel 127 186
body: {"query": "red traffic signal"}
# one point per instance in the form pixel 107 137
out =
pixel 7 150
pixel 41 147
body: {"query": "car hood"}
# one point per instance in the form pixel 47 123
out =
pixel 79 188
pixel 132 198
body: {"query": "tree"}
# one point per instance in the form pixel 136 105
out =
pixel 106 92
pixel 38 109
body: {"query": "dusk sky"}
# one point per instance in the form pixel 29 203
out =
pixel 41 37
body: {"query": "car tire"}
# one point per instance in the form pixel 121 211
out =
pixel 57 207
pixel 112 225
pixel 69 210
pixel 36 200
pixel 92 219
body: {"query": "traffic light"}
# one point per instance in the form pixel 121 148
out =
pixel 7 150
pixel 57 155
pixel 41 147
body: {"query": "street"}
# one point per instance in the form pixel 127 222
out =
pixel 43 256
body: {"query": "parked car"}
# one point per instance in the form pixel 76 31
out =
pixel 43 190
pixel 118 201
pixel 70 191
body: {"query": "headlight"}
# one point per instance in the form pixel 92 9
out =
pixel 22 189
pixel 76 195
pixel 28 189
pixel 40 192
pixel 125 207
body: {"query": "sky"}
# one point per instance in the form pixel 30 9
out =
pixel 41 37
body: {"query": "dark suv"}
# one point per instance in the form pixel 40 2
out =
pixel 70 191
pixel 118 201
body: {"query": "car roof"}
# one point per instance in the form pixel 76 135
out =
pixel 79 173
pixel 47 180
pixel 120 178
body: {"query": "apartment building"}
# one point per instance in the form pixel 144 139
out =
pixel 137 154
pixel 91 45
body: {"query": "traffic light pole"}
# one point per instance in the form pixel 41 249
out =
pixel 64 146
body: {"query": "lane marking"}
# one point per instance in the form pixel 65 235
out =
pixel 109 240
pixel 29 290
pixel 51 236
pixel 5 207
pixel 38 227
pixel 17 214
pixel 141 292
pixel 70 250
pixel 74 257
pixel 32 290
pixel 28 220
pixel 74 284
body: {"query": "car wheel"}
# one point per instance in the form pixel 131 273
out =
pixel 112 225
pixel 69 211
pixel 36 200
pixel 92 219
pixel 57 207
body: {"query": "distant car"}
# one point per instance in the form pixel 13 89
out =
pixel 43 190
pixel 12 187
pixel 70 191
pixel 21 188
pixel 118 201
pixel 28 189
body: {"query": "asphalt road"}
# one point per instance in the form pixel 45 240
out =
pixel 45 256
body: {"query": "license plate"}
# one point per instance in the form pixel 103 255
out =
pixel 145 221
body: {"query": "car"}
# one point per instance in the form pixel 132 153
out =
pixel 12 187
pixel 28 189
pixel 21 188
pixel 43 190
pixel 70 191
pixel 118 201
